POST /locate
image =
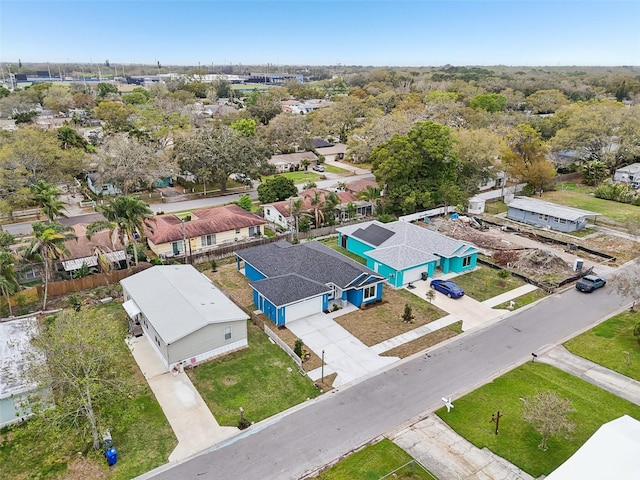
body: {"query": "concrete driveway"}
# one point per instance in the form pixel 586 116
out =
pixel 472 312
pixel 189 417
pixel 344 354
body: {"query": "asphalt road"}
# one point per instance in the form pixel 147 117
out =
pixel 291 445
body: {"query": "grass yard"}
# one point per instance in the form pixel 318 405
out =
pixel 611 344
pixel 143 436
pixel 382 321
pixel 580 196
pixel 525 299
pixel 426 341
pixel 261 378
pixel 297 177
pixel 337 170
pixel 374 462
pixel 518 441
pixel 332 242
pixel 484 283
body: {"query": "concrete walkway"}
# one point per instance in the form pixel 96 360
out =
pixel 343 353
pixel 593 373
pixel 449 456
pixel 191 420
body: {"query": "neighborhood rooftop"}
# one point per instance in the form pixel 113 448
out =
pixel 311 260
pixel 288 288
pixel 169 228
pixel 548 208
pixel 178 300
pixel 402 244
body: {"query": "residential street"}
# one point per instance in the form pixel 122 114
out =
pixel 291 445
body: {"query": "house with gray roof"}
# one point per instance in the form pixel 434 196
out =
pixel 404 253
pixel 295 281
pixel 185 317
pixel 548 215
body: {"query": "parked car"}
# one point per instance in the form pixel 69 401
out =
pixel 318 168
pixel 589 283
pixel 450 289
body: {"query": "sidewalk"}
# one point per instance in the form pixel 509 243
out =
pixel 191 420
pixel 447 455
pixel 593 373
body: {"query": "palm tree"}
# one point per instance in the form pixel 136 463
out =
pixel 125 217
pixel 331 201
pixel 48 242
pixel 317 203
pixel 8 283
pixel 370 194
pixel 48 197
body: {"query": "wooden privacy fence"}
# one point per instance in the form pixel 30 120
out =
pixel 92 281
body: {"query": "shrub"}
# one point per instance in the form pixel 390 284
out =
pixel 618 192
pixel 297 348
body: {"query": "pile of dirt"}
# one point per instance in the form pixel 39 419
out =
pixel 534 262
pixel 541 262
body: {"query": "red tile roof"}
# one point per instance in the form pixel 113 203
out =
pixel 360 185
pixel 168 228
pixel 306 195
pixel 83 247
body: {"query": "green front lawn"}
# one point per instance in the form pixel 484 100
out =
pixel 485 283
pixel 144 438
pixel 262 379
pixel 518 441
pixel 332 242
pixel 297 177
pixel 374 462
pixel 336 170
pixel 525 299
pixel 611 344
pixel 580 196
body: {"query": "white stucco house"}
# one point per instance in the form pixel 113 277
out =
pixel 185 317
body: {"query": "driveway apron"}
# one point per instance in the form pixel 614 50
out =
pixel 191 420
pixel 344 354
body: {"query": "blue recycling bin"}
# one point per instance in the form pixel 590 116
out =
pixel 111 455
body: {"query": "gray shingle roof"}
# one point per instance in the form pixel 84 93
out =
pixel 409 245
pixel 548 208
pixel 311 260
pixel 178 300
pixel 290 288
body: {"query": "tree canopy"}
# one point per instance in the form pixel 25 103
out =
pixel 212 154
pixel 418 170
pixel 276 189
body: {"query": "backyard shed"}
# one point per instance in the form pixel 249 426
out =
pixel 185 317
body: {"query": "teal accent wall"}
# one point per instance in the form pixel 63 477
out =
pixel 356 246
pixel 456 263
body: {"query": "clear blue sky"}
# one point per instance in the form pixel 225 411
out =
pixel 391 33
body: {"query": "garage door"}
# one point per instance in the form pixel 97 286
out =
pixel 303 309
pixel 413 275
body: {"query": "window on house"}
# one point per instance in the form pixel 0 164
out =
pixel 227 333
pixel 466 261
pixel 268 211
pixel 252 231
pixel 560 220
pixel 237 230
pixel 542 216
pixel 332 294
pixel 369 293
pixel 177 247
pixel 208 240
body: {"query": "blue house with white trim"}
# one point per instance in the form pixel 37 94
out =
pixel 294 281
pixel 402 252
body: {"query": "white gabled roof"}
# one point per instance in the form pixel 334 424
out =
pixel 178 300
pixel 613 452
pixel 551 209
